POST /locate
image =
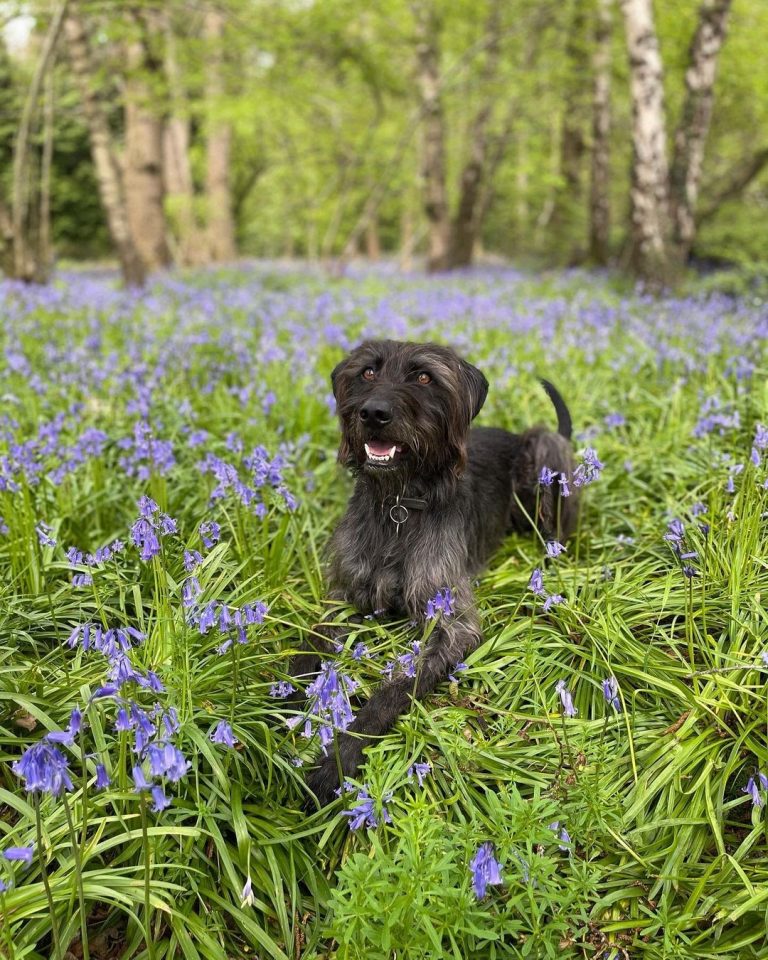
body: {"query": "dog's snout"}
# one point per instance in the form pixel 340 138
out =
pixel 376 412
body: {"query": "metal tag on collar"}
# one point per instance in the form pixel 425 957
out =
pixel 398 514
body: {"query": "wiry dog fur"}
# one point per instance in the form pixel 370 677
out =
pixel 477 486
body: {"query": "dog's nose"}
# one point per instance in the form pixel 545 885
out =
pixel 377 412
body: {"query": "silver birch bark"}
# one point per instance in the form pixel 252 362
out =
pixel 649 188
pixel 691 135
pixel 599 190
pixel 104 161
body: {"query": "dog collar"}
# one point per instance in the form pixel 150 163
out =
pixel 399 511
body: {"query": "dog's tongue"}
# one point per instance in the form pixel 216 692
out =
pixel 379 448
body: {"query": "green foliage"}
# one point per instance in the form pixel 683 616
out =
pixel 667 855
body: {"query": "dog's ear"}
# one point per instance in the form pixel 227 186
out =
pixel 476 386
pixel 335 376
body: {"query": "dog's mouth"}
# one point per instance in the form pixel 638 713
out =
pixel 383 452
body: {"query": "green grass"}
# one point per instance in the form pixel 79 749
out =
pixel 668 854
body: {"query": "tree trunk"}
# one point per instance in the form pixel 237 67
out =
pixel 143 163
pixel 649 188
pixel 104 161
pixel 221 226
pixel 433 135
pixel 568 196
pixel 177 170
pixel 44 259
pixel 599 191
pixel 691 135
pixel 468 219
pixel 24 265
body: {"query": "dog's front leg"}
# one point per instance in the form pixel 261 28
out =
pixel 453 638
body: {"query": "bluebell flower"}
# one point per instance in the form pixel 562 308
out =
pixel 486 870
pixel 562 836
pixel 210 533
pixel 536 583
pixel 282 689
pixel 159 799
pixel 442 602
pixel 359 651
pixel 223 734
pixel 140 782
pixel 247 899
pixel 565 699
pixel 420 770
pixel 44 531
pixel 363 814
pixel 192 560
pixel 102 777
pixel 458 668
pixel 611 693
pixel 753 791
pixel 565 490
pixel 552 600
pixel 546 477
pixel 44 769
pixel 20 854
pixel 67 737
pixel 554 548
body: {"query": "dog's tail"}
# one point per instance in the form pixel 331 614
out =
pixel 564 425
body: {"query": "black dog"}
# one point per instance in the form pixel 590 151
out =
pixel 432 500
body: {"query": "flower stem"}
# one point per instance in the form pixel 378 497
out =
pixel 76 852
pixel 46 884
pixel 147 915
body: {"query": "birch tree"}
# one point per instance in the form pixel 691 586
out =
pixel 108 174
pixel 600 165
pixel 691 135
pixel 143 162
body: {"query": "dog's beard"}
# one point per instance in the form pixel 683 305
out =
pixel 397 458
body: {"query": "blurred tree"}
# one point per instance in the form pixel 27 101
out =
pixel 143 156
pixel 108 172
pixel 600 168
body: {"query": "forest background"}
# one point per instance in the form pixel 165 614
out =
pixel 585 132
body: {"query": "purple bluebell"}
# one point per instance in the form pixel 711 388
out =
pixel 420 771
pixel 611 693
pixel 247 899
pixel 210 533
pixel 485 869
pixel 159 799
pixel 565 699
pixel 102 777
pixel 562 836
pixel 67 737
pixel 44 769
pixel 546 477
pixel 753 791
pixel 554 548
pixel 19 854
pixel 44 531
pixel 282 689
pixel 442 602
pixel 363 814
pixel 223 734
pixel 536 583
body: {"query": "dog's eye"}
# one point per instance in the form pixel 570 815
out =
pixel 369 373
pixel 424 378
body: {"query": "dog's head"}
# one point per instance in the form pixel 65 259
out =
pixel 406 407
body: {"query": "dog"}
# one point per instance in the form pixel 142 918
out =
pixel 432 500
